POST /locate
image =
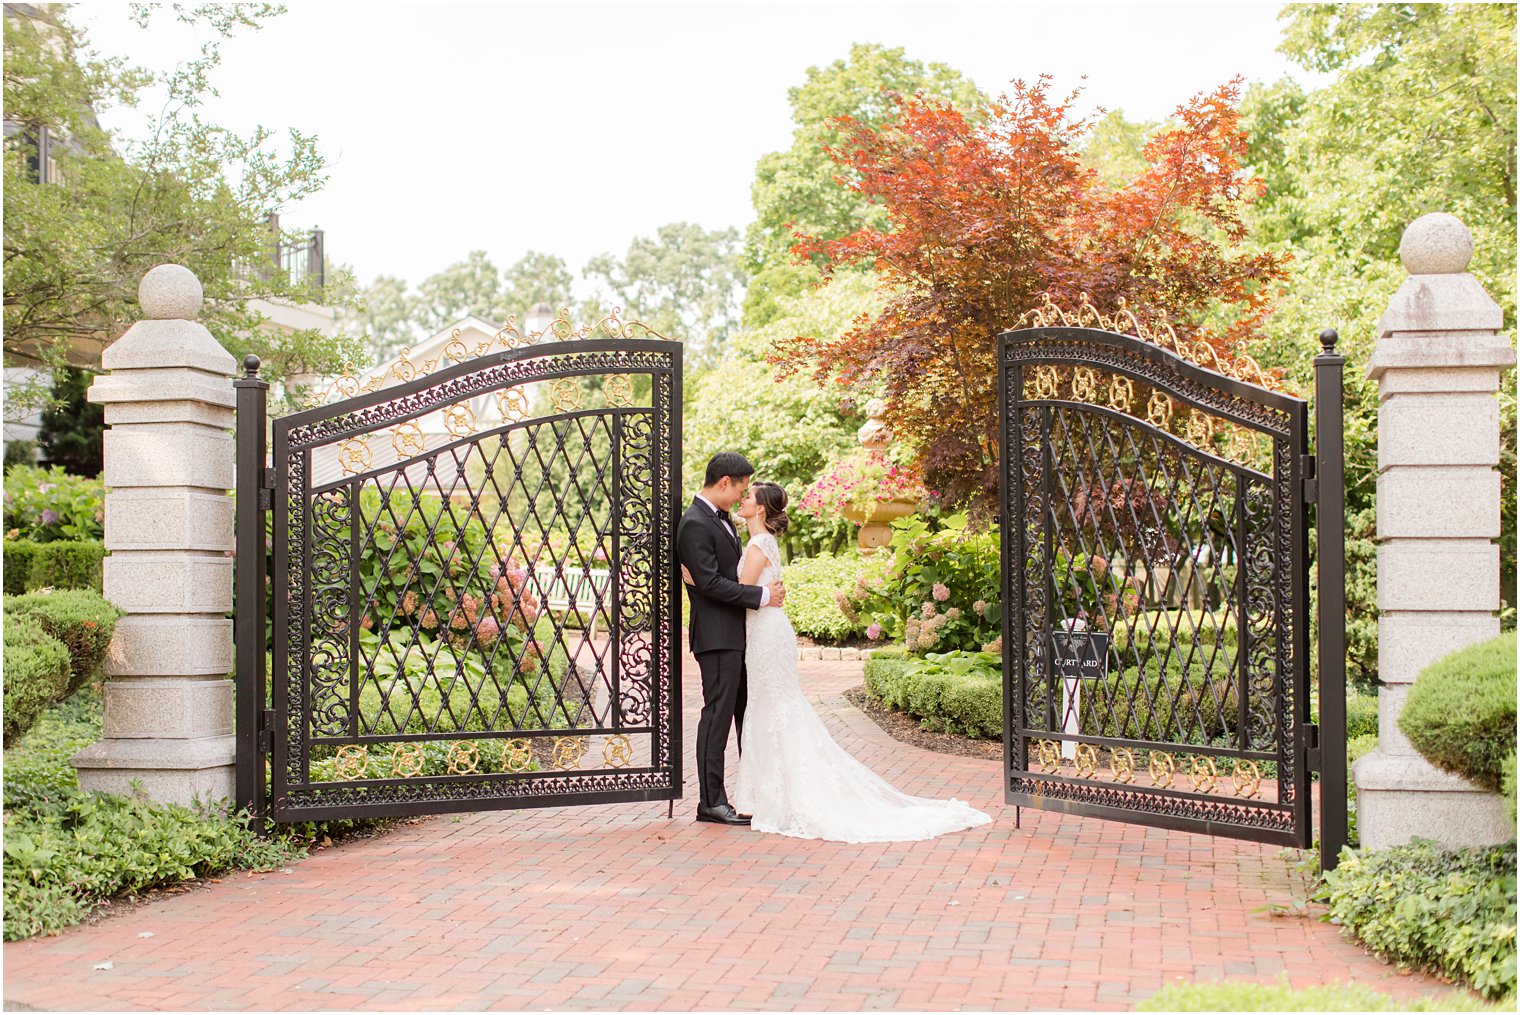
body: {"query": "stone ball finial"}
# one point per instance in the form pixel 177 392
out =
pixel 1436 244
pixel 170 292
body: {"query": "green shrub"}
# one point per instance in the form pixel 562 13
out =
pixel 1237 995
pixel 66 851
pixel 1509 785
pixel 1150 632
pixel 36 674
pixel 1449 912
pixel 81 620
pixel 939 591
pixel 18 564
pixel 66 564
pixel 45 505
pixel 1196 708
pixel 1357 747
pixel 1361 714
pixel 954 692
pixel 813 587
pixel 1461 711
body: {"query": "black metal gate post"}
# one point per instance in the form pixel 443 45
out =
pixel 1330 518
pixel 248 619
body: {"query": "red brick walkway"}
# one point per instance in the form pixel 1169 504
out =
pixel 617 907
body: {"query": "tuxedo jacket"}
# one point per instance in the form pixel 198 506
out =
pixel 710 551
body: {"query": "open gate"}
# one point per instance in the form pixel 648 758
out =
pixel 1156 589
pixel 473 601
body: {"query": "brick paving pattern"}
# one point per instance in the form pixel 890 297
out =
pixel 617 907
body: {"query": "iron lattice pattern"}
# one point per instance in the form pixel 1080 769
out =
pixel 1152 541
pixel 476 606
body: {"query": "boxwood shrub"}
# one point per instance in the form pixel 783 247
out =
pixel 1461 711
pixel 81 620
pixel 18 564
pixel 66 564
pixel 812 585
pixel 953 692
pixel 36 673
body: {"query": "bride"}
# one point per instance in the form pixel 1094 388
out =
pixel 793 777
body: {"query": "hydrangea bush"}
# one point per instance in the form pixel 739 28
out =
pixel 45 505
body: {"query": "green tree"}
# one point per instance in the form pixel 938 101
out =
pixel 72 425
pixel 1420 117
pixel 795 190
pixel 80 233
pixel 536 278
pixel 684 282
pixel 790 428
pixel 385 317
pixel 471 286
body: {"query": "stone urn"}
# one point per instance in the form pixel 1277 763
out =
pixel 875 519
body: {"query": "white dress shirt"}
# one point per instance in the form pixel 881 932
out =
pixel 765 592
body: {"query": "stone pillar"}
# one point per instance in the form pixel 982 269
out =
pixel 168 468
pixel 1437 365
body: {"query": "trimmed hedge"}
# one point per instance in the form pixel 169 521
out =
pixel 67 564
pixel 36 673
pixel 1509 785
pixel 1461 711
pixel 954 692
pixel 64 564
pixel 1361 714
pixel 1449 912
pixel 80 619
pixel 18 564
pixel 1237 995
pixel 1177 627
pixel 1141 706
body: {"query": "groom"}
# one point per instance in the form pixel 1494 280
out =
pixel 709 551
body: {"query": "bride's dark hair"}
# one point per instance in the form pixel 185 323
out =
pixel 773 499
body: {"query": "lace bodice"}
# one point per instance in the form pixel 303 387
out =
pixel 768 546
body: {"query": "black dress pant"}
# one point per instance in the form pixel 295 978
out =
pixel 724 693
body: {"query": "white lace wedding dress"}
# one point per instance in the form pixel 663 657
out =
pixel 793 777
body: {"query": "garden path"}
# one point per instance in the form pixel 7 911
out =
pixel 617 907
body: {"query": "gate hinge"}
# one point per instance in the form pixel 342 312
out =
pixel 1311 481
pixel 266 489
pixel 266 731
pixel 1311 743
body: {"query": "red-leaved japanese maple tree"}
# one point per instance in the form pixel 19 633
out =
pixel 987 215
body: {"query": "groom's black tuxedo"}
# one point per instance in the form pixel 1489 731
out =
pixel 710 550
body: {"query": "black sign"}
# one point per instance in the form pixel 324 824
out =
pixel 1080 654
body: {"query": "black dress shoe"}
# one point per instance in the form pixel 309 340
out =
pixel 722 814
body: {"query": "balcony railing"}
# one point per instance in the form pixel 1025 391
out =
pixel 301 257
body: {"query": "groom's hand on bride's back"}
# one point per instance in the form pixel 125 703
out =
pixel 687 578
pixel 778 594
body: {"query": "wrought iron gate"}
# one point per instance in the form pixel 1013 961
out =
pixel 1156 589
pixel 474 603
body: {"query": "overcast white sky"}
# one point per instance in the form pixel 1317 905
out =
pixel 571 128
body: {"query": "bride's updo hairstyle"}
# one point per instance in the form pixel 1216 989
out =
pixel 773 499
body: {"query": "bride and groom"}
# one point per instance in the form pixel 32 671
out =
pixel 793 779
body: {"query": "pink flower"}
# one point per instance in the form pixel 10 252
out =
pixel 941 591
pixel 928 611
pixel 873 632
pixel 979 607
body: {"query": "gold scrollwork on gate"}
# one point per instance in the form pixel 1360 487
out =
pixel 1163 770
pixel 1201 428
pixel 618 391
pixel 1247 779
pixel 1121 393
pixel 617 752
pixel 354 455
pixel 408 440
pixel 1047 383
pixel 464 758
pixel 455 350
pixel 513 405
pixel 1048 755
pixel 568 752
pixel 404 369
pixel 1158 411
pixel 1203 774
pixel 351 761
pixel 407 761
pixel 1084 384
pixel 516 754
pixel 459 419
pixel 1086 761
pixel 565 395
pixel 1123 761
